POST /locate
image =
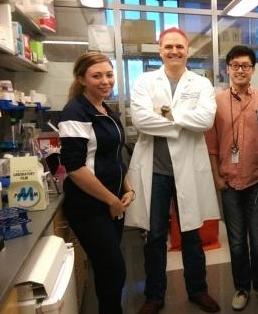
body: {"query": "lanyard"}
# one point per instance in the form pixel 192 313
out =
pixel 234 147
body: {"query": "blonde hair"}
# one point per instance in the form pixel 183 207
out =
pixel 81 66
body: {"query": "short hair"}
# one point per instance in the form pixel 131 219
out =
pixel 173 30
pixel 81 66
pixel 240 51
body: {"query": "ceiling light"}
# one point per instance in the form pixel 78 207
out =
pixel 65 42
pixel 240 7
pixel 93 3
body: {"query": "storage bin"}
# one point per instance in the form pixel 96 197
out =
pixel 13 222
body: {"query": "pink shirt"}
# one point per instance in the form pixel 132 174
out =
pixel 220 138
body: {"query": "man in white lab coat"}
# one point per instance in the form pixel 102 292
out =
pixel 171 108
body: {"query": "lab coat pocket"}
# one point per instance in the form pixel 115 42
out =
pixel 189 100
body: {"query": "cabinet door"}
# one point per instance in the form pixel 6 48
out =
pixel 10 305
pixel 61 226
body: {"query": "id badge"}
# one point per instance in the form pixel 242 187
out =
pixel 235 157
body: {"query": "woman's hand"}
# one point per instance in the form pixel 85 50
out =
pixel 116 208
pixel 128 197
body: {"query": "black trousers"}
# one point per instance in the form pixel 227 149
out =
pixel 100 237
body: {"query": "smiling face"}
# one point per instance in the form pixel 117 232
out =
pixel 173 50
pixel 98 80
pixel 240 78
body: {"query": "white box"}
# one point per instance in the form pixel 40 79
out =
pixel 6 29
pixel 150 48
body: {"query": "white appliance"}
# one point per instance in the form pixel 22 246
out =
pixel 39 294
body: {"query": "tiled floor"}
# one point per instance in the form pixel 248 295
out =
pixel 218 277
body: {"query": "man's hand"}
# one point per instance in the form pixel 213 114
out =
pixel 166 112
pixel 128 197
pixel 220 184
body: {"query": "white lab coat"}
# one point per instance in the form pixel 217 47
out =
pixel 193 107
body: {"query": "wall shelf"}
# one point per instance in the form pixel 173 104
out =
pixel 15 63
pixel 28 25
pixel 5 50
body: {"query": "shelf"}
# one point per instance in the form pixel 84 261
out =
pixel 11 62
pixel 15 63
pixel 155 55
pixel 28 25
pixel 5 50
pixel 140 55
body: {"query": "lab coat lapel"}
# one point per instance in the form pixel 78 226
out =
pixel 181 86
pixel 165 85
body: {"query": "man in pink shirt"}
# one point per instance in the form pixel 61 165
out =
pixel 233 149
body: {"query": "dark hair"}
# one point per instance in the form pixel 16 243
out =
pixel 81 66
pixel 173 30
pixel 240 51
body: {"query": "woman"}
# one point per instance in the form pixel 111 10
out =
pixel 96 189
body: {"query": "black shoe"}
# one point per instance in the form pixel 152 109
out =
pixel 205 302
pixel 151 307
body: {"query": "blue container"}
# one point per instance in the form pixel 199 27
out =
pixel 13 222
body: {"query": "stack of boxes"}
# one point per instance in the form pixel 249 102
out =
pixel 18 38
pixel 139 36
pixel 26 47
pixel 228 38
pixel 36 48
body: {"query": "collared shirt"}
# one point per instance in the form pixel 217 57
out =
pixel 242 130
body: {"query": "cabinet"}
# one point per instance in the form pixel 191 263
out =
pixel 11 62
pixel 62 229
pixel 10 305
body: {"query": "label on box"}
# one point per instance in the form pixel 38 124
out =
pixel 26 195
pixel 24 169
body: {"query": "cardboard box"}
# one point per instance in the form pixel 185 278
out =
pixel 36 48
pixel 229 38
pixel 131 48
pixel 200 45
pixel 138 31
pixel 150 48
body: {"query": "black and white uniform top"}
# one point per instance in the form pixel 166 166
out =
pixel 91 138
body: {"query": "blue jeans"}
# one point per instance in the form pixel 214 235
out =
pixel 240 209
pixel 155 249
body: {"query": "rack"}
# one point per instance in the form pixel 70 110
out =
pixel 15 63
pixel 28 25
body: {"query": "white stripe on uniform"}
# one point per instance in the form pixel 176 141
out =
pixel 72 128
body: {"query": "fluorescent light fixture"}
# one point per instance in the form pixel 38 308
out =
pixel 93 3
pixel 240 7
pixel 65 42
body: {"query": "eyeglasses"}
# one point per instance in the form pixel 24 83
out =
pixel 244 67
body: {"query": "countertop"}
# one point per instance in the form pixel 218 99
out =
pixel 17 250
